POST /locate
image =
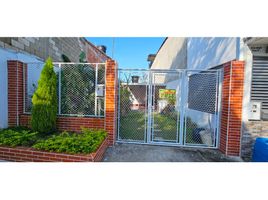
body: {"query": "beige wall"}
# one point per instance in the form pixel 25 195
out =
pixel 172 55
pixel 207 52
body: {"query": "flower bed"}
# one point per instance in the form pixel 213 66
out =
pixel 89 146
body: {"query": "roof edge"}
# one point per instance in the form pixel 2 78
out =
pixel 108 57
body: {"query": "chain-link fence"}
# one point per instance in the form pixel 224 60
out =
pixel 169 106
pixel 202 111
pixel 80 87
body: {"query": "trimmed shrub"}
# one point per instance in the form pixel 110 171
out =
pixel 86 142
pixel 44 110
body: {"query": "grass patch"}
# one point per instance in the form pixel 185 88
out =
pixel 85 142
pixel 165 127
pixel 132 127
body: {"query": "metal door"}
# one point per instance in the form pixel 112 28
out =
pixel 133 93
pixel 166 92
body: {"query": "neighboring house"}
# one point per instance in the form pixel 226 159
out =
pixel 34 51
pixel 171 55
pixel 245 105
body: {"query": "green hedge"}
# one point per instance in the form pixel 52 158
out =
pixel 73 143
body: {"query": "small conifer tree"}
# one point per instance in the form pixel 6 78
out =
pixel 44 109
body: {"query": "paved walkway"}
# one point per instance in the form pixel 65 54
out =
pixel 150 153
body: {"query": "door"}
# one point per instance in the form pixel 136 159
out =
pixel 165 107
pixel 148 106
pixel 132 105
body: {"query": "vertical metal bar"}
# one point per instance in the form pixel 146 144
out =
pixel 17 93
pixel 149 123
pixel 177 112
pixel 59 100
pixel 118 106
pixel 146 139
pixel 23 73
pixel 105 72
pixel 182 89
pixel 145 108
pixel 96 88
pixel 185 113
pixel 153 105
pixel 215 109
pixel 219 107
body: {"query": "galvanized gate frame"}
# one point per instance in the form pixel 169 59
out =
pixel 181 133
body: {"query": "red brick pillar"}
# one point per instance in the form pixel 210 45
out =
pixel 15 91
pixel 232 98
pixel 111 100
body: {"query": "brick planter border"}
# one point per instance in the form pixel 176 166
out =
pixel 23 154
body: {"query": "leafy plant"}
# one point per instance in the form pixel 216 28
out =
pixel 17 137
pixel 86 142
pixel 44 110
pixel 77 89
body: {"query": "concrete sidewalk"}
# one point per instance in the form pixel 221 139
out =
pixel 152 153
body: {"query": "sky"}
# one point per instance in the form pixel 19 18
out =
pixel 129 52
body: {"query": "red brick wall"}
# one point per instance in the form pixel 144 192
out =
pixel 232 98
pixel 70 123
pixel 111 100
pixel 15 91
pixel 94 55
pixel 21 154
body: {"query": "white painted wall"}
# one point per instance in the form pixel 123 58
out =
pixel 246 56
pixel 206 52
pixel 172 54
pixel 5 55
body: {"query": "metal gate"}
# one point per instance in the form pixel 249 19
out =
pixel 169 107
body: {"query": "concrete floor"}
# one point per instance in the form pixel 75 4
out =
pixel 152 153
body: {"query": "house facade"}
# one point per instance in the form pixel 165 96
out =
pixel 34 51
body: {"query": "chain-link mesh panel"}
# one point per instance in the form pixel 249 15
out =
pixel 132 109
pixel 201 113
pixel 165 123
pixel 80 88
